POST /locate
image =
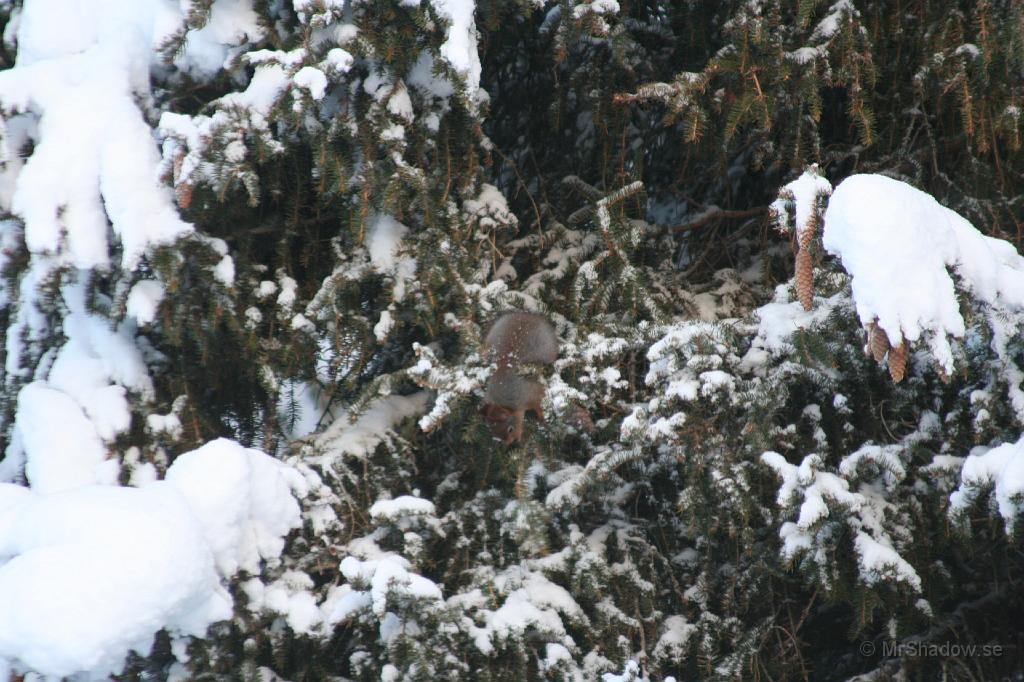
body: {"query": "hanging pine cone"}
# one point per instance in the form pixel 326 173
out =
pixel 878 341
pixel 898 362
pixel 183 193
pixel 804 278
pixel 806 238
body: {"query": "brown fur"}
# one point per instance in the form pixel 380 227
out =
pixel 516 338
pixel 509 397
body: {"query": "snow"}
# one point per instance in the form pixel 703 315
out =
pixel 403 505
pixel 878 561
pixel 514 617
pixel 422 76
pixel 389 574
pixel 290 596
pixel 676 633
pixel 289 290
pixel 393 133
pixel 144 299
pixel 597 7
pixel 90 573
pixel 900 245
pixel 531 601
pixel 224 271
pixel 372 427
pixel 805 191
pixel 817 493
pixel 630 673
pixel 779 320
pixel 555 654
pixel 164 423
pixel 384 326
pixel 459 48
pixel 383 241
pixel 830 24
pixel 81 67
pixel 339 60
pixel 399 104
pixel 301 406
pixel 268 83
pixel 208 50
pixel 244 499
pixel 969 49
pixel 384 244
pixel 1001 470
pixel 58 458
pixel 94 572
pixel 490 208
pixel 266 289
pixel 312 79
pixel 85 391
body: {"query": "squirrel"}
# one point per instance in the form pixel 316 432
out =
pixel 516 338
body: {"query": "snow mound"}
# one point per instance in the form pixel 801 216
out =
pixel 902 247
pixel 1000 470
pixel 91 573
pixel 402 505
pixel 85 392
pixel 82 69
pixel 460 47
pixel 243 499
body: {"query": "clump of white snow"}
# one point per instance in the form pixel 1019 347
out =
pixel 373 426
pixel 375 579
pixel 81 69
pixel 490 209
pixel 58 458
pixel 90 573
pixel 290 596
pixel 999 470
pixel 384 244
pixel 802 194
pixel 313 80
pixel 459 48
pixel 902 247
pixel 404 505
pixel 85 393
pixel 144 299
pixel 243 498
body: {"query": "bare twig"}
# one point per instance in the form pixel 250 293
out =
pixel 715 213
pixel 522 183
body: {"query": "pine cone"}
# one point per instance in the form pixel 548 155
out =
pixel 179 159
pixel 806 238
pixel 183 192
pixel 804 278
pixel 878 342
pixel 898 362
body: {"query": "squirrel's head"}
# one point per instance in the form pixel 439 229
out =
pixel 501 421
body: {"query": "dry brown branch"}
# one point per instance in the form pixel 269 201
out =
pixel 716 213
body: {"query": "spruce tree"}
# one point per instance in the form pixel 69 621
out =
pixel 290 225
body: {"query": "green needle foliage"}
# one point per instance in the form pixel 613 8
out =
pixel 613 170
